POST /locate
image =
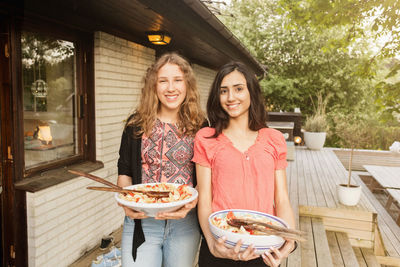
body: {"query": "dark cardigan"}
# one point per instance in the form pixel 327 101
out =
pixel 130 164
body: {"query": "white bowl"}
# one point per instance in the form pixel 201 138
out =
pixel 151 209
pixel 262 243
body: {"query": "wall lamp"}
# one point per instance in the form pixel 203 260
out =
pixel 159 37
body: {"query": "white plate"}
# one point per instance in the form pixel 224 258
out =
pixel 151 209
pixel 262 243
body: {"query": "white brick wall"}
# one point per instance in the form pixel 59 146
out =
pixel 66 220
pixel 204 78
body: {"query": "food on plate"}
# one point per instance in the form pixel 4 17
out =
pixel 176 193
pixel 229 223
pixel 252 220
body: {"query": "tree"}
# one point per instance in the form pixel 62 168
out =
pixel 299 61
pixel 353 131
pixel 374 20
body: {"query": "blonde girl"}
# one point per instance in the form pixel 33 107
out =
pixel 157 146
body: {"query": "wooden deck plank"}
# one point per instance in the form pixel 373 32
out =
pixel 318 182
pixel 324 180
pixel 349 224
pixel 321 243
pixel 294 259
pixel 387 261
pixel 334 248
pixel 335 173
pixel 300 177
pixel 308 256
pixel 346 250
pixel 354 234
pixel 313 196
pixel 389 240
pixel 369 257
pixel 293 190
pixel 311 199
pixel 359 256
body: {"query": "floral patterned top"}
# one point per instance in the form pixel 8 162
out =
pixel 166 156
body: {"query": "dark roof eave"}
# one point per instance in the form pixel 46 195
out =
pixel 213 21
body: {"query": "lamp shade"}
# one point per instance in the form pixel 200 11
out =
pixel 159 37
pixel 45 134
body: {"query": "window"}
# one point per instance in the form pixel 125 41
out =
pixel 49 90
pixel 56 86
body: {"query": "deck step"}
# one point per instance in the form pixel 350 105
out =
pixel 366 257
pixel 341 249
pixel 315 251
pixel 328 248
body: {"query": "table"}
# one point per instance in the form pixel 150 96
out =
pixel 285 127
pixel 294 117
pixel 389 179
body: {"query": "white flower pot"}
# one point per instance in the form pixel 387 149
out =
pixel 314 141
pixel 348 196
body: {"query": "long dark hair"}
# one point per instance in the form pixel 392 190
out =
pixel 217 116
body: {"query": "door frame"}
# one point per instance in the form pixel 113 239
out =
pixel 13 202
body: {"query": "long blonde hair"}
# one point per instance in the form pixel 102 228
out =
pixel 190 115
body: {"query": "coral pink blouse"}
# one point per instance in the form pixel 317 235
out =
pixel 241 180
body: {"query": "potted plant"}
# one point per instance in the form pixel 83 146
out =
pixel 353 133
pixel 316 125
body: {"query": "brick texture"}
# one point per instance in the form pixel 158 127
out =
pixel 204 77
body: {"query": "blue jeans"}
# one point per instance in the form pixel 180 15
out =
pixel 169 243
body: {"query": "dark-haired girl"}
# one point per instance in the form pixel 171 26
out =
pixel 240 164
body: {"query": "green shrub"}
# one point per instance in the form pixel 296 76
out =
pixel 376 136
pixel 382 137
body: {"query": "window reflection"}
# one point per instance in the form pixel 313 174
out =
pixel 48 79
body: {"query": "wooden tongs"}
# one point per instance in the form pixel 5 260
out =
pixel 266 228
pixel 115 188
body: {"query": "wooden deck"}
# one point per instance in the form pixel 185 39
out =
pixel 332 228
pixel 364 157
pixel 312 180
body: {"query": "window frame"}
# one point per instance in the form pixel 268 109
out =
pixel 84 93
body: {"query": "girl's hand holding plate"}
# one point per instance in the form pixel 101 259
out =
pixel 133 214
pixel 178 214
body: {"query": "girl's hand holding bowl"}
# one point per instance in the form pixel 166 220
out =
pixel 180 196
pixel 220 250
pixel 233 235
